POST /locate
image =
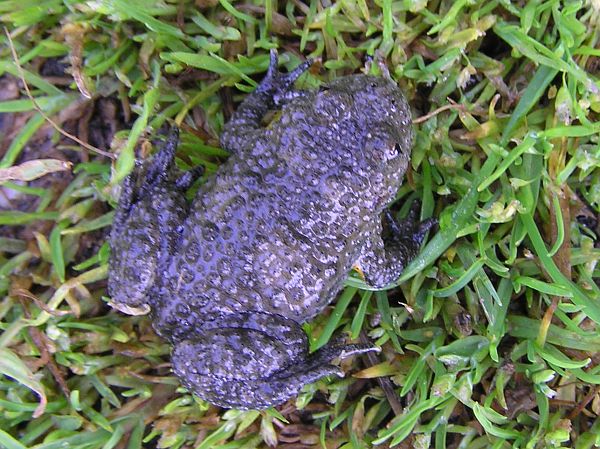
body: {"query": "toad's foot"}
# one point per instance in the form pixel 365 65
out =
pixel 409 232
pixel 279 86
pixel 275 89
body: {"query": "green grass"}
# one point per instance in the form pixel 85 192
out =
pixel 491 336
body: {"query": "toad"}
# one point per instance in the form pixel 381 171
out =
pixel 268 241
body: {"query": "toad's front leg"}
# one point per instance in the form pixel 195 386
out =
pixel 272 91
pixel 147 224
pixel 391 246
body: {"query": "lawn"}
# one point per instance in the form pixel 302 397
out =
pixel 491 337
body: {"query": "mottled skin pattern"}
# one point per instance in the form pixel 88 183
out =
pixel 147 226
pixel 269 240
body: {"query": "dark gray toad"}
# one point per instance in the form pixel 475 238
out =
pixel 269 240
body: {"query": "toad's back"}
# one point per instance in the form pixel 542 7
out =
pixel 284 219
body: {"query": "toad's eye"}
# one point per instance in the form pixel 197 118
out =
pixel 391 151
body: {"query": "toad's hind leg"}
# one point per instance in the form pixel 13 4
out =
pixel 391 246
pixel 146 227
pixel 274 90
